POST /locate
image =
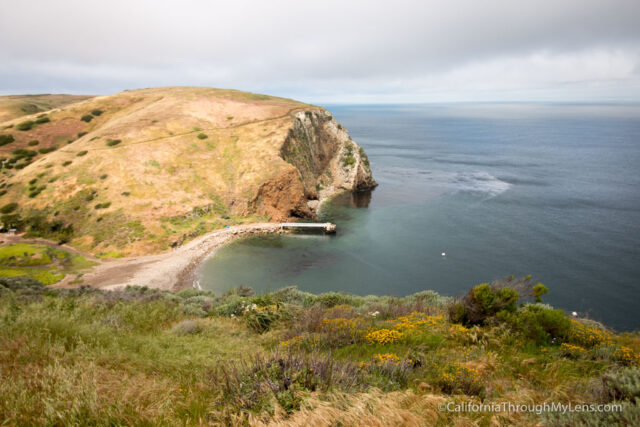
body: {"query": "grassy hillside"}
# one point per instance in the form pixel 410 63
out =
pixel 134 172
pixel 14 106
pixel 140 356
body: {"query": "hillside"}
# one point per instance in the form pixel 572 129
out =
pixel 14 106
pixel 136 172
pixel 140 356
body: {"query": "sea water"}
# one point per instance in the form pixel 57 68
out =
pixel 502 189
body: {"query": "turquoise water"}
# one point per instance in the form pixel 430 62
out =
pixel 548 190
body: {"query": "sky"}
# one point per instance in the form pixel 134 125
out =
pixel 328 52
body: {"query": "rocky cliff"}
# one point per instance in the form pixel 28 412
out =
pixel 132 172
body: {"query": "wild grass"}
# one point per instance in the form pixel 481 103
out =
pixel 140 356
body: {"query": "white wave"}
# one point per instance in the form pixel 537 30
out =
pixel 478 182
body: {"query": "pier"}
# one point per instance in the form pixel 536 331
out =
pixel 326 226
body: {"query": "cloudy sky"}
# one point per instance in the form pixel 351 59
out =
pixel 347 51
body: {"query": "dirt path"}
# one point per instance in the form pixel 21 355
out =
pixel 169 271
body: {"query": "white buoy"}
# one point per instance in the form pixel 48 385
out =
pixel 444 254
pixel 574 314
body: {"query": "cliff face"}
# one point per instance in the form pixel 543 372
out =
pixel 326 161
pixel 133 172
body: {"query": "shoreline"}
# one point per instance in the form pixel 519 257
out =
pixel 171 271
pixel 175 270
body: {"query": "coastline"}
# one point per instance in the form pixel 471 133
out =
pixel 176 270
pixel 171 271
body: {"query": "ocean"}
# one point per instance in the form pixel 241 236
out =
pixel 551 190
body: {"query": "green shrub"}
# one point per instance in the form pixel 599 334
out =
pixel 202 136
pixel 81 153
pixel 21 153
pixel 26 125
pixel 3 192
pixel 67 163
pixel 538 322
pixel 34 192
pixel 126 193
pixel 483 302
pixel 46 150
pixel 8 208
pixel 6 139
pixel 113 142
pixel 104 176
pixel 348 161
pixel 96 112
pixel 331 299
pixel 104 205
pixel 33 181
pixel 621 384
pixel 33 143
pixel 42 120
pixel 87 118
pixel 260 319
pixel 81 134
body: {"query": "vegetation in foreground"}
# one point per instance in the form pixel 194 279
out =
pixel 141 356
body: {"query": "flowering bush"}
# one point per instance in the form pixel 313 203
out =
pixel 460 379
pixel 384 336
pixel 587 336
pixel 573 351
pixel 627 356
pixel 416 320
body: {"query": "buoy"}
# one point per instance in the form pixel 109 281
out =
pixel 444 254
pixel 574 314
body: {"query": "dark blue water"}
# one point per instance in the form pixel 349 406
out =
pixel 548 190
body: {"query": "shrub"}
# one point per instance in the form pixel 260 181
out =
pixel 26 125
pixel 627 356
pixel 202 136
pixel 538 323
pixel 261 319
pixel 587 336
pixel 572 351
pixel 483 302
pixel 96 112
pixel 104 205
pixel 6 139
pixel 35 191
pixel 384 336
pixel 67 163
pixel 82 153
pixel 104 176
pixel 126 193
pixel 621 384
pixel 460 379
pixel 87 118
pixel 33 181
pixel 33 143
pixel 21 153
pixel 81 134
pixel 113 142
pixel 42 120
pixel 46 150
pixel 8 208
pixel 348 161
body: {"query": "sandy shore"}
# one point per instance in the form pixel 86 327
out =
pixel 169 271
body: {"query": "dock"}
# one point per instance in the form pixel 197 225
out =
pixel 326 226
